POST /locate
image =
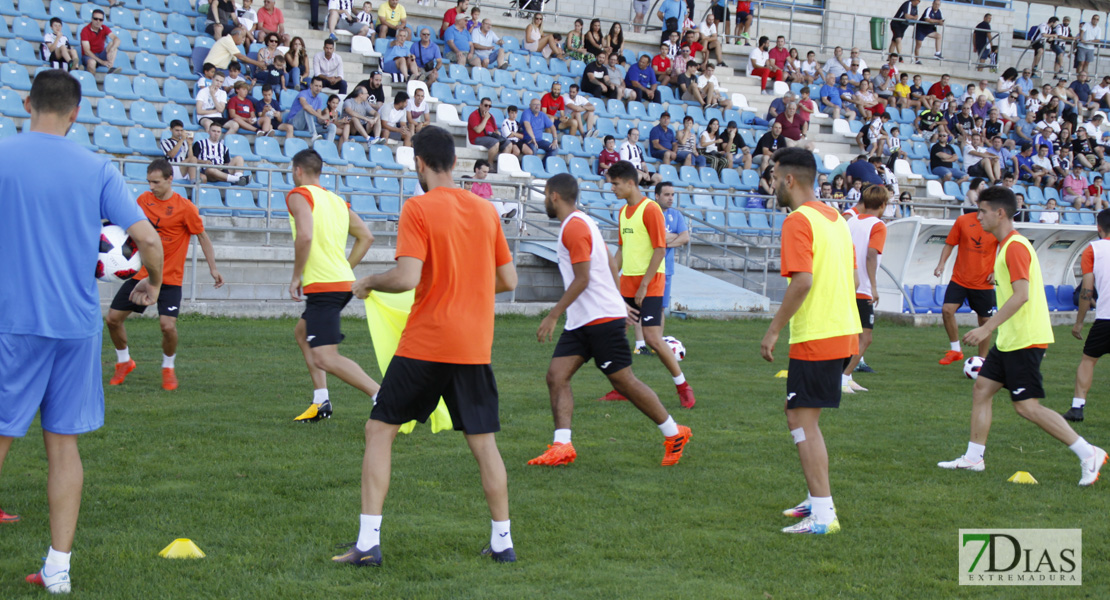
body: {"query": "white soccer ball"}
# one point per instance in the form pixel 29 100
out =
pixel 676 347
pixel 972 367
pixel 119 255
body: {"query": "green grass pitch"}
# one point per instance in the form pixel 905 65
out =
pixel 221 461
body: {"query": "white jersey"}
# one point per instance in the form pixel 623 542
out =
pixel 1101 249
pixel 600 299
pixel 860 227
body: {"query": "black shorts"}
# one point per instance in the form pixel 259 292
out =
pixel 1037 45
pixel 1098 339
pixel 977 170
pixel 741 17
pixel 898 31
pixel 980 301
pixel 411 390
pixel 1018 371
pixel 217 120
pixel 814 383
pixel 651 313
pixel 920 33
pixel 605 343
pixel 866 313
pixel 321 317
pixel 720 13
pixel 169 299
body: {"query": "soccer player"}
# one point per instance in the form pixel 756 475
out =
pixel 678 235
pixel 643 243
pixel 50 325
pixel 819 304
pixel 322 276
pixel 1024 332
pixel 450 247
pixel 869 238
pixel 176 220
pixel 972 280
pixel 1095 264
pixel 595 325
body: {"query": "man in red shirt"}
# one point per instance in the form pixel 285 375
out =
pixel 609 156
pixel 452 14
pixel 780 53
pixel 972 280
pixel 99 44
pixel 240 109
pixel 270 20
pixel 481 130
pixel 555 106
pixel 176 220
pixel 662 66
pixel 940 89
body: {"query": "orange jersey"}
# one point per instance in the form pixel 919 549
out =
pixel 458 237
pixel 657 229
pixel 977 249
pixel 797 257
pixel 176 220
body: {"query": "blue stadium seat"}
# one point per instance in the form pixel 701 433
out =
pixel 365 205
pixel 178 91
pixel 556 165
pixel 1051 193
pixel 669 173
pixel 1087 217
pixel 152 43
pixel 538 64
pixel 524 79
pixel 759 224
pixel 143 141
pixel 85 112
pixel 1051 297
pixel 34 9
pixel 518 63
pixel 382 157
pixel 178 45
pixel 243 202
pixel 152 21
pixel 696 113
pixel 509 97
pixel 292 146
pixel 481 75
pixel 288 96
pixel 64 11
pixel 458 74
pixel 126 40
pixel 80 135
pixel 155 5
pixel 359 183
pixel 1070 217
pixel 148 64
pixel 709 178
pixel 122 17
pixel 737 223
pixel 118 86
pixel 503 78
pixel 180 68
pixel 270 150
pixel 238 145
pixel 1065 297
pixel 109 138
pixel 7 127
pixel 5 33
pixel 184 7
pixel 572 145
pixel 147 89
pixel 534 165
pixel 23 52
pixel 86 10
pixel 354 154
pixel 181 24
pixel 15 77
pixel 328 152
pixel 923 299
pixel 143 113
pixel 390 205
pixel 7 7
pixel 134 171
pixel 922 168
pixel 173 111
pixel 1033 196
pixel 111 111
pixel 211 202
pixel 731 178
pixel 953 189
pixel 580 168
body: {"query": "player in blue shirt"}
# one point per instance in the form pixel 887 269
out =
pixel 55 194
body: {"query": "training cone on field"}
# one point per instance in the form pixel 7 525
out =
pixel 781 374
pixel 181 548
pixel 1022 477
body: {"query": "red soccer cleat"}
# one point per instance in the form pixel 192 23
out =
pixel 950 357
pixel 122 369
pixel 613 396
pixel 685 395
pixel 556 454
pixel 7 518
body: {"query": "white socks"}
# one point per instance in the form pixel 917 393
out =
pixel 562 436
pixel 1078 402
pixel 320 396
pixel 56 562
pixel 123 356
pixel 669 427
pixel 500 539
pixel 822 509
pixel 1082 449
pixel 955 346
pixel 845 379
pixel 975 451
pixel 369 532
pixel 640 344
pixel 167 361
pixel 232 178
pixel 679 379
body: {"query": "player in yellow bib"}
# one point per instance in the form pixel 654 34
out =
pixel 1024 332
pixel 322 277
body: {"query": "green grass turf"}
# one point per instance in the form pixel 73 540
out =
pixel 220 461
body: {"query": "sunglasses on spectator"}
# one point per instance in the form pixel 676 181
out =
pixel 99 19
pixel 486 105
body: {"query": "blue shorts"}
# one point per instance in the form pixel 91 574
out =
pixel 59 378
pixel 667 294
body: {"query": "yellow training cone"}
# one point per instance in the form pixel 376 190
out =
pixel 781 374
pixel 1021 477
pixel 181 548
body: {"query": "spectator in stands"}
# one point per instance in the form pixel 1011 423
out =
pixel 862 169
pixel 576 44
pixel 595 79
pixel 662 65
pixel 1095 189
pixel 730 142
pixel 634 154
pixel 931 18
pixel 226 49
pixel 615 40
pixel 903 18
pixel 641 81
pixel 1025 129
pixel 901 96
pixel 1062 162
pixel 661 140
pixel 296 63
pixel 854 75
pixel 710 39
pixel 55 48
pixel 670 13
pixel 98 44
pixel 333 120
pixel 710 89
pixel 760 65
pixel 867 102
pixel 673 45
pixel 240 110
pixel 1007 81
pixel 535 40
pixel 609 155
pixel 810 70
pixel 397 58
pixel 942 158
pixel 426 57
pixel 535 123
pixel 594 40
pixel 1024 83
pixel 395 120
pixel 794 127
pixel 1008 108
pixel 829 98
pixel 981 40
pixel 341 14
pixel 835 66
pixel 366 16
pixel 1038 37
pixel 268 108
pixel 213 152
pixel 854 55
pixel 1081 95
pixel 681 60
pixel 178 148
pixel 1088 153
pixel 1061 35
pixel 1073 190
pixel 221 15
pixel 555 106
pixel 766 186
pixel 210 103
pixel 247 18
pixel 417 108
pixel 687 84
pixel 481 130
pixel 457 41
pixel 616 74
pixel 1050 214
pixel 391 18
pixel 982 107
pixel 929 122
pixel 234 76
pixel 581 109
pixel 373 86
pixel 485 43
pixel 980 162
pixel 269 51
pixel 271 21
pixel 709 148
pixel 873 139
pixel 308 109
pixel 327 66
pixel 768 145
pixel 686 145
pixel 452 15
pixel 640 8
pixel 779 54
pixel 512 134
pixel 793 67
pixel 1006 160
pixel 362 117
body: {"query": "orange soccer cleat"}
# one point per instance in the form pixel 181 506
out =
pixel 674 445
pixel 169 379
pixel 122 369
pixel 951 356
pixel 556 454
pixel 7 517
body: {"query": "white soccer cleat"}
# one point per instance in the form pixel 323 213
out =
pixel 963 463
pixel 847 389
pixel 58 583
pixel 809 525
pixel 856 387
pixel 1091 467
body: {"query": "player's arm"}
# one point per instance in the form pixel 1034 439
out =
pixel 302 244
pixel 506 278
pixel 872 273
pixel 677 240
pixel 150 252
pixel 944 254
pixel 363 238
pixel 402 278
pixel 796 293
pixel 1007 310
pixel 618 263
pixel 574 290
pixel 210 258
pixel 1086 293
